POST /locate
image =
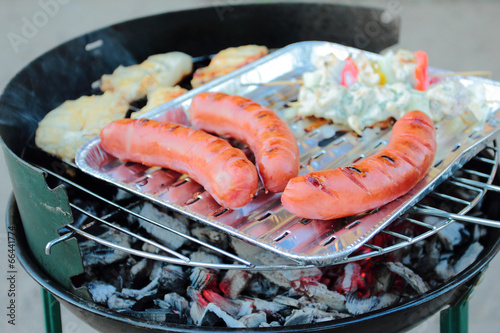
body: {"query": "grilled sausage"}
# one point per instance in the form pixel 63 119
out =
pixel 224 171
pixel 272 142
pixel 371 182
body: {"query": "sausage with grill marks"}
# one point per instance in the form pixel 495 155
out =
pixel 222 170
pixel 270 139
pixel 371 182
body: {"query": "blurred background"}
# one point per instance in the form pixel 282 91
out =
pixel 457 35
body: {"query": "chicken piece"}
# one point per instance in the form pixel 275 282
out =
pixel 158 97
pixel 227 61
pixel 134 82
pixel 70 125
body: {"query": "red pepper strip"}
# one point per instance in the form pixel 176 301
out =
pixel 349 73
pixel 421 71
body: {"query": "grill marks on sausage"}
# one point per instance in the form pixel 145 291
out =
pixel 318 183
pixel 352 176
pixel 387 158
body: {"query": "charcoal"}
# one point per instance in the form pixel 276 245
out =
pixel 246 307
pixel 234 282
pixel 171 279
pixel 163 236
pixel 140 271
pixel 229 306
pixel 116 302
pixel 288 301
pixel 202 277
pixel 357 306
pixel 211 309
pixel 351 280
pixel 409 276
pixel 469 257
pixel 211 236
pixel 254 319
pixel 94 253
pixel 320 293
pixel 282 278
pixel 299 317
pixel 173 301
pixel 145 303
pixel 261 287
pixel 306 302
pixel 450 236
pixel 262 305
pixel 150 289
pixel 383 280
pixel 444 270
pixel 158 315
pixel 101 291
pixel 386 300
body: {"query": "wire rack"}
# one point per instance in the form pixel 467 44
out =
pixel 460 193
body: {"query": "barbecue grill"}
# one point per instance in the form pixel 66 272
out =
pixel 50 253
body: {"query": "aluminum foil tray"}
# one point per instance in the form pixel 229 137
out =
pixel 264 221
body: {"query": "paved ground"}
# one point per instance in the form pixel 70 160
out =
pixel 457 35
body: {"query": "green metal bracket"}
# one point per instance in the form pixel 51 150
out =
pixel 52 312
pixel 43 212
pixel 455 319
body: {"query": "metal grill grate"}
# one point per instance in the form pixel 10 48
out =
pixel 468 185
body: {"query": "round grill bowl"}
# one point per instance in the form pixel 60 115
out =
pixel 392 319
pixel 69 70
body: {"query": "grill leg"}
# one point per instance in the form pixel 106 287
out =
pixel 456 318
pixel 52 313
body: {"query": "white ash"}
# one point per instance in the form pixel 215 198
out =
pixel 116 302
pixel 150 289
pixel 349 270
pixel 478 232
pixel 245 250
pixel 94 253
pixel 262 305
pixel 469 257
pixel 409 276
pixel 443 270
pixel 156 271
pixel 451 235
pixel 203 256
pixel 213 308
pixel 232 307
pixel 138 267
pixel 201 277
pixel 299 317
pixel 163 236
pixel 282 278
pixel 357 306
pixel 101 291
pixel 253 319
pixel 288 301
pixel 146 247
pixel 386 300
pixel 211 236
pixel 234 282
pixel 383 280
pixel 246 307
pixel 176 302
pixel 306 302
pixel 271 324
pixel 321 294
